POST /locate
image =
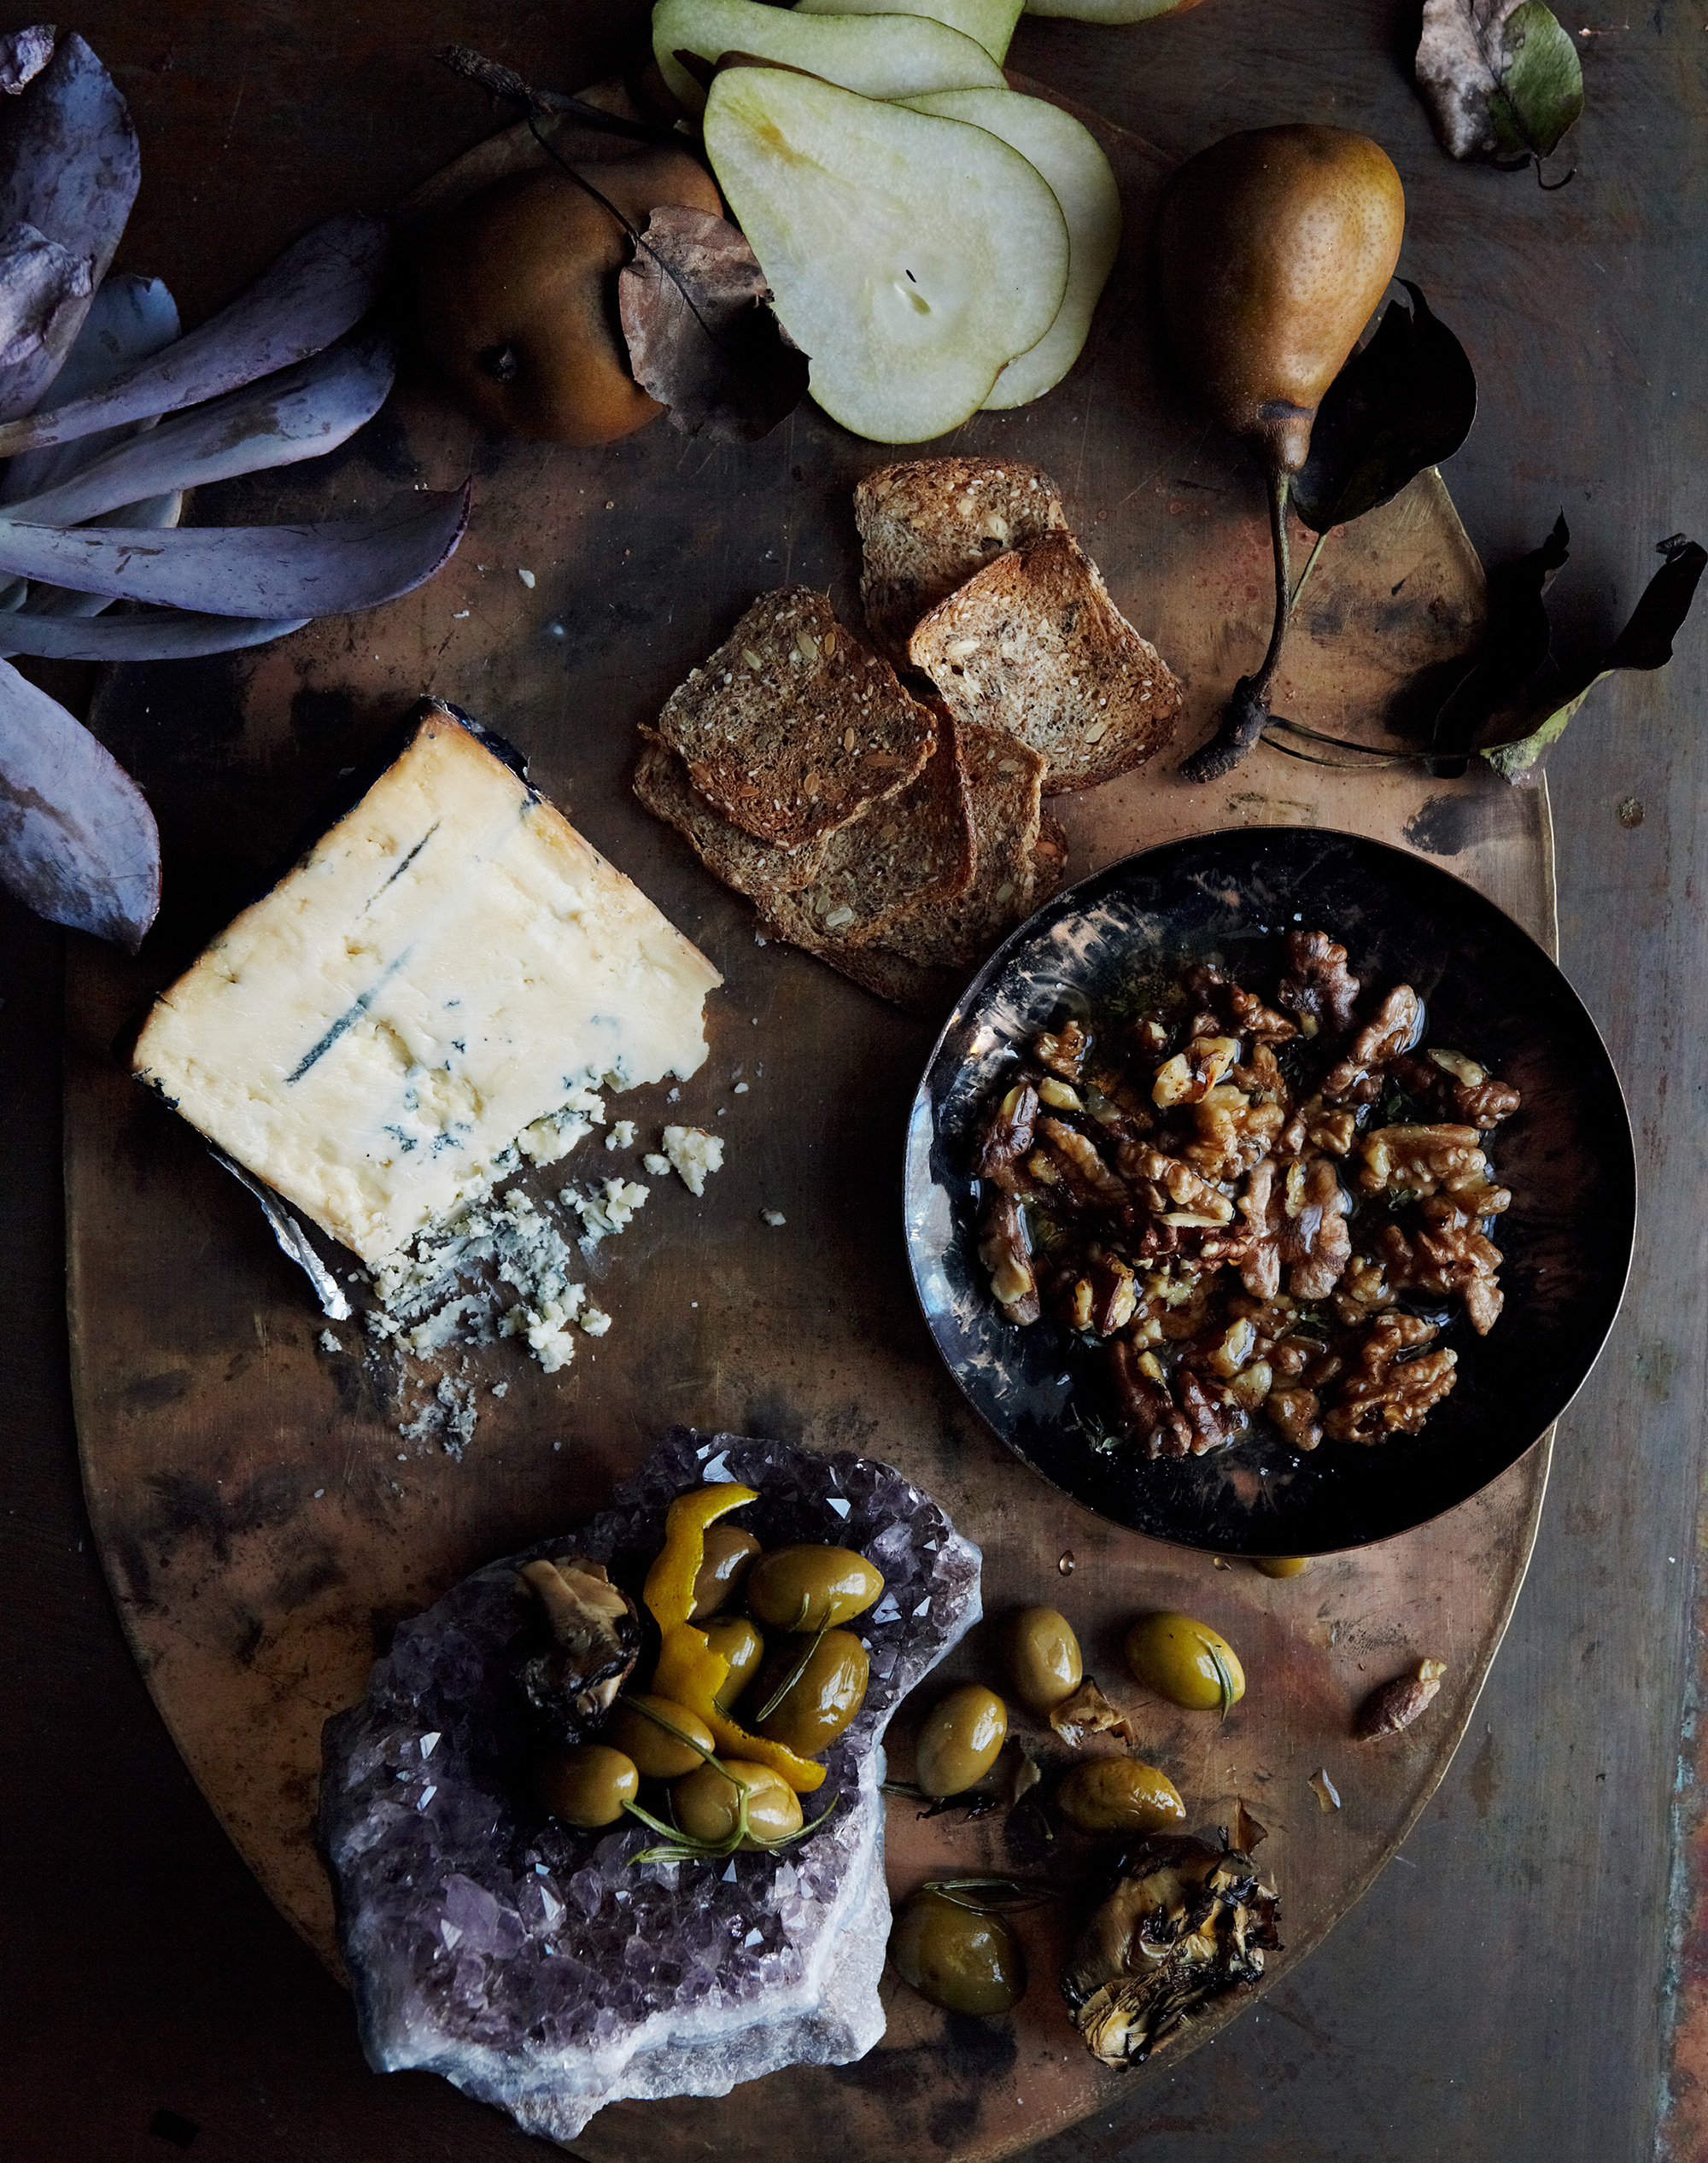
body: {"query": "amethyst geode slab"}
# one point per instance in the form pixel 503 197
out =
pixel 538 1967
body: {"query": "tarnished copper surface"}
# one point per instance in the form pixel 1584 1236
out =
pixel 258 1525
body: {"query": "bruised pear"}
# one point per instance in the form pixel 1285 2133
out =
pixel 1273 248
pixel 515 296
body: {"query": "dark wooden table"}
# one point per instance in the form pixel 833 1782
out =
pixel 1507 1991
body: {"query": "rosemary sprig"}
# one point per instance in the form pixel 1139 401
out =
pixel 993 1895
pixel 1224 1681
pixel 793 1676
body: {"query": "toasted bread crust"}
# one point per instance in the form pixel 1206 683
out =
pixel 1034 644
pixel 913 852
pixel 752 868
pixel 793 727
pixel 926 526
pixel 1004 784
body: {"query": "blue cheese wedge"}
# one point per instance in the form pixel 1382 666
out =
pixel 434 989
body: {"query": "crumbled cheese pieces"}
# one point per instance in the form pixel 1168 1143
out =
pixel 432 991
pixel 622 1136
pixel 693 1153
pixel 609 1210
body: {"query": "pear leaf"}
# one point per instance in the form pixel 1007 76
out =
pixel 1645 643
pixel 1404 401
pixel 77 842
pixel 1501 78
pixel 701 338
pixel 1515 646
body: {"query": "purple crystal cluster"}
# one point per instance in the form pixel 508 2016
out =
pixel 539 1968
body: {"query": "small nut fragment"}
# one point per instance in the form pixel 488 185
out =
pixel 1397 1704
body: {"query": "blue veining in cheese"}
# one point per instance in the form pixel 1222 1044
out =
pixel 449 967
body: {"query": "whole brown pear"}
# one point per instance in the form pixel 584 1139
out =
pixel 515 296
pixel 1273 248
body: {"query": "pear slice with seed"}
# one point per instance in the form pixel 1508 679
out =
pixel 1071 159
pixel 990 21
pixel 888 55
pixel 910 257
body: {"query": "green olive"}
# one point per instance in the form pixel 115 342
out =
pixel 726 1558
pixel 1120 1795
pixel 654 1749
pixel 816 1707
pixel 959 1740
pixel 707 1805
pixel 1178 1659
pixel 957 1958
pixel 586 1786
pixel 741 1645
pixel 811 1588
pixel 1042 1655
pixel 1283 1565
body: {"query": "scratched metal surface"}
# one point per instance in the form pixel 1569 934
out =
pixel 1499 1995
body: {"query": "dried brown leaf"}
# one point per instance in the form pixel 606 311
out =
pixel 702 339
pixel 1088 1712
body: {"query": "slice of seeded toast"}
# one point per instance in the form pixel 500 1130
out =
pixel 928 525
pixel 793 727
pixel 752 868
pixel 1034 644
pixel 1004 780
pixel 914 850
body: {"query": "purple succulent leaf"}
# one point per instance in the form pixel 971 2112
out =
pixel 129 320
pixel 156 512
pixel 324 570
pixel 177 636
pixel 77 842
pixel 69 166
pixel 320 287
pixel 38 280
pixel 300 413
pixel 23 55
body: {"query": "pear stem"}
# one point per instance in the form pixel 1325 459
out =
pixel 1246 714
pixel 1278 480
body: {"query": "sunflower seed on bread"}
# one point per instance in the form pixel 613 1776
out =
pixel 911 852
pixel 793 727
pixel 1004 780
pixel 928 524
pixel 1034 644
pixel 752 868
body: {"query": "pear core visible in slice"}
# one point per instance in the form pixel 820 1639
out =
pixel 1069 157
pixel 1109 10
pixel 910 257
pixel 990 21
pixel 893 55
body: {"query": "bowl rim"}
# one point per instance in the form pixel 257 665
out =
pixel 1617 1154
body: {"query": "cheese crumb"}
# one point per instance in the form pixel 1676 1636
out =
pixel 595 1321
pixel 693 1153
pixel 622 1136
pixel 656 1165
pixel 527 578
pixel 329 1342
pixel 773 1216
pixel 741 1088
pixel 608 1211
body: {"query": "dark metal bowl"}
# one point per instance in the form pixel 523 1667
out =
pixel 1491 991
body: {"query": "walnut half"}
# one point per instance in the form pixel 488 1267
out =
pixel 1386 1393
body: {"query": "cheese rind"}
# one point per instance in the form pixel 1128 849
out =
pixel 449 965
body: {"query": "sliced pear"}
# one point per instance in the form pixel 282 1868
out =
pixel 1109 10
pixel 910 257
pixel 990 21
pixel 892 55
pixel 1072 160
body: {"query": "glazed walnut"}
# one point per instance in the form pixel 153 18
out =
pixel 1386 1393
pixel 1357 1078
pixel 1207 1192
pixel 1317 988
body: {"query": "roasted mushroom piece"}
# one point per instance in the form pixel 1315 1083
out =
pixel 582 1638
pixel 1185 1922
